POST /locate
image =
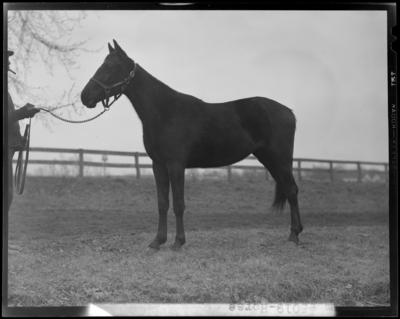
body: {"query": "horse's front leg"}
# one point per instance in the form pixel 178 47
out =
pixel 162 181
pixel 177 177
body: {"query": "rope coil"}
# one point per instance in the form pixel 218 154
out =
pixel 20 169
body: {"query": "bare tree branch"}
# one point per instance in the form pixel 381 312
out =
pixel 44 37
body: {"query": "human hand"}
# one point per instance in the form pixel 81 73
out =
pixel 29 110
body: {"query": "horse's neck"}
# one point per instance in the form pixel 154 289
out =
pixel 148 95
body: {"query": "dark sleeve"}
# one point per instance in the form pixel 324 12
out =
pixel 14 116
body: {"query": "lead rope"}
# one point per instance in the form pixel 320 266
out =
pixel 20 175
pixel 69 121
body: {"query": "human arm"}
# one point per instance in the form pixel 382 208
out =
pixel 27 111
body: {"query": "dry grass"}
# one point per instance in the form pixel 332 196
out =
pixel 217 267
pixel 85 241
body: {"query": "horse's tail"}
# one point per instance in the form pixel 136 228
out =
pixel 280 198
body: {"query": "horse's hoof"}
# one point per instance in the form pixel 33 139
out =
pixel 292 244
pixel 293 238
pixel 176 247
pixel 154 245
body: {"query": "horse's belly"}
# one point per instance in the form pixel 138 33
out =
pixel 211 156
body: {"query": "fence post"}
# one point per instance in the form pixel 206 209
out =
pixel 229 168
pixel 299 169
pixel 80 162
pixel 137 165
pixel 359 172
pixel 331 170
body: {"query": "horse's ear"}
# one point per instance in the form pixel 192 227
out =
pixel 110 48
pixel 118 48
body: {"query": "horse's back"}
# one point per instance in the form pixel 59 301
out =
pixel 246 108
pixel 264 109
pixel 261 118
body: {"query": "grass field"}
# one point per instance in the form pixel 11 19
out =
pixel 85 241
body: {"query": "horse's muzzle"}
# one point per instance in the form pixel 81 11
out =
pixel 87 101
pixel 90 104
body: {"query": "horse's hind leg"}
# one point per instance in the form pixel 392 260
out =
pixel 162 181
pixel 291 191
pixel 286 188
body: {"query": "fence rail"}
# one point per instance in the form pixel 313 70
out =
pixel 81 163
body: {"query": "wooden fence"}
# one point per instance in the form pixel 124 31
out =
pixel 298 169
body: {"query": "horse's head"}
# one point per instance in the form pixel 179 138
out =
pixel 110 79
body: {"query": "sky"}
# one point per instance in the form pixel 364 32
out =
pixel 329 67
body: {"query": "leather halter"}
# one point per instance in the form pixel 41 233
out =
pixel 107 88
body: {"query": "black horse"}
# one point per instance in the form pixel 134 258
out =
pixel 181 131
